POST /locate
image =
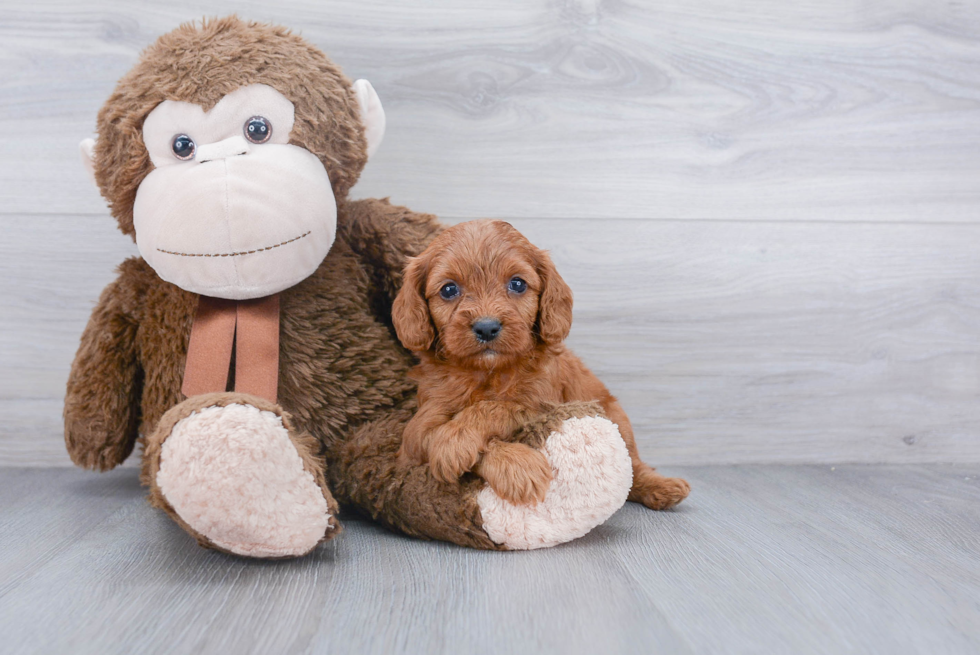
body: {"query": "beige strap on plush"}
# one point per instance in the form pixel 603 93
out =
pixel 209 350
pixel 250 326
pixel 257 347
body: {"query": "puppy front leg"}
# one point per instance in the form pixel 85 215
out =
pixel 455 447
pixel 414 449
pixel 516 472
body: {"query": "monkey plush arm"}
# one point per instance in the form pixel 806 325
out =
pixel 385 236
pixel 104 386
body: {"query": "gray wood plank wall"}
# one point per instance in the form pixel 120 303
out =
pixel 769 211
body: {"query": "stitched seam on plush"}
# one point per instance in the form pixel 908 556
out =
pixel 235 254
pixel 238 276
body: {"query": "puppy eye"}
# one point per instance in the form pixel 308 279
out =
pixel 517 285
pixel 449 291
pixel 183 147
pixel 258 129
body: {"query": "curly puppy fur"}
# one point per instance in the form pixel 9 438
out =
pixel 478 387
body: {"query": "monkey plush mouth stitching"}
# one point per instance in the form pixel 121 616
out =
pixel 233 254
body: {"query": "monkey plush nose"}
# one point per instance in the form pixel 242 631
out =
pixel 236 145
pixel 486 329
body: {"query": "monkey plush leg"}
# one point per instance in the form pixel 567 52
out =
pixel 592 475
pixel 231 470
pixel 363 471
pixel 589 464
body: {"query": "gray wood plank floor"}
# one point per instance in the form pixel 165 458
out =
pixel 761 559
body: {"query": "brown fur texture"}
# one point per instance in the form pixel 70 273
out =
pixel 474 392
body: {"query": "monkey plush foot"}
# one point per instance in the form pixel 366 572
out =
pixel 233 473
pixel 592 475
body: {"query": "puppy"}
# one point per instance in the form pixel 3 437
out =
pixel 486 312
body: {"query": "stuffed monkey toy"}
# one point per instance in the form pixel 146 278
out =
pixel 250 348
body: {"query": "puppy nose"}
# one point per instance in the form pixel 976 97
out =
pixel 486 329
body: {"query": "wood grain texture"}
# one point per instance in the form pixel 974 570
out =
pixel 837 110
pixel 771 559
pixel 726 341
pixel 755 342
pixel 767 210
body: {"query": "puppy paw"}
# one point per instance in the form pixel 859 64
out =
pixel 453 452
pixel 518 473
pixel 656 491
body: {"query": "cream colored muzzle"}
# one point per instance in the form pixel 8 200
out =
pixel 236 145
pixel 234 224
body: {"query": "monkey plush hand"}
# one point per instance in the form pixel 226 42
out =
pixel 249 348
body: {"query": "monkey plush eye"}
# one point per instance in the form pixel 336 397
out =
pixel 258 129
pixel 449 291
pixel 183 147
pixel 517 285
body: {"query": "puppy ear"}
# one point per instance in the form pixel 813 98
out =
pixel 410 311
pixel 554 303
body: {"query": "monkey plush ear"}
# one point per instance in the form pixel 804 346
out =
pixel 87 150
pixel 372 115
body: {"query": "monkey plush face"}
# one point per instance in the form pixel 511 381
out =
pixel 231 209
pixel 225 151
